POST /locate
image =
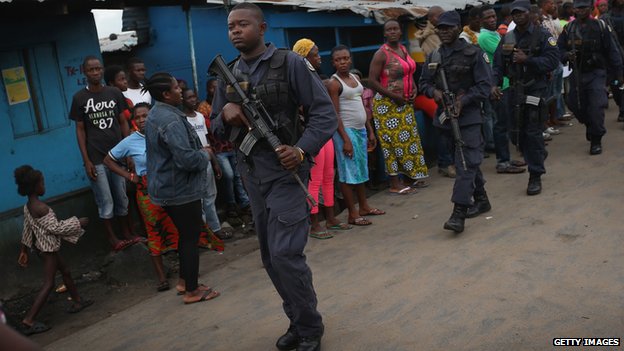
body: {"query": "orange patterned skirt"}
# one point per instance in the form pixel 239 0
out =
pixel 162 234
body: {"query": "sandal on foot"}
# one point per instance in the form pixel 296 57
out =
pixel 373 212
pixel 419 184
pixel 340 226
pixel 82 304
pixel 207 295
pixel 323 234
pixel 200 287
pixel 139 239
pixel 122 244
pixel 163 286
pixel 360 221
pixel 224 234
pixel 35 328
pixel 405 191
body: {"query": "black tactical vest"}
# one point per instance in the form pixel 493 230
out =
pixel 273 91
pixel 589 42
pixel 458 68
pixel 531 45
pixel 616 21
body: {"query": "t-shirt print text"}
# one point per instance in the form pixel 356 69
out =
pixel 101 114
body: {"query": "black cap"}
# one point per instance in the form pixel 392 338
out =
pixel 582 3
pixel 449 18
pixel 521 5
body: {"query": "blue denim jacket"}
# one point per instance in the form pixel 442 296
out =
pixel 176 164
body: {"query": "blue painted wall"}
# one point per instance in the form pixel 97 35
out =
pixel 61 43
pixel 169 49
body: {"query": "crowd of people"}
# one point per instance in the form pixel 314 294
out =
pixel 484 84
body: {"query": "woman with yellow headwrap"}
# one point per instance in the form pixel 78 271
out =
pixel 306 48
pixel 322 173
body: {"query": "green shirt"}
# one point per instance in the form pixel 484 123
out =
pixel 488 42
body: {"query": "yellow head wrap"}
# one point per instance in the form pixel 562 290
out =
pixel 303 46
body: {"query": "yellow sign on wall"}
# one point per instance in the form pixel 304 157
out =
pixel 16 85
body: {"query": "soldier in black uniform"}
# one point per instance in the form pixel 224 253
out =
pixel 284 82
pixel 526 55
pixel 615 19
pixel 589 46
pixel 469 77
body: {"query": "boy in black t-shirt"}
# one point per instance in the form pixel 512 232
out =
pixel 100 125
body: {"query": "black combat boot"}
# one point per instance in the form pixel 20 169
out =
pixel 288 341
pixel 535 184
pixel 481 205
pixel 456 222
pixel 596 146
pixel 620 117
pixel 310 343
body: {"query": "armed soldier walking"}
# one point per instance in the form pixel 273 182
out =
pixel 458 77
pixel 590 47
pixel 282 82
pixel 526 55
pixel 614 18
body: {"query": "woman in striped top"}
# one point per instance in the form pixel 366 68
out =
pixel 43 233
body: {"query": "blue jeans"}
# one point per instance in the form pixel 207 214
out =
pixel 109 191
pixel 445 158
pixel 556 88
pixel 208 203
pixel 233 185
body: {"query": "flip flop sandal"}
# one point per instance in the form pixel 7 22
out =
pixel 121 245
pixel 361 221
pixel 207 295
pixel 163 286
pixel 322 235
pixel 224 234
pixel 82 305
pixel 419 184
pixel 405 191
pixel 36 328
pixel 340 226
pixel 200 287
pixel 139 239
pixel 374 212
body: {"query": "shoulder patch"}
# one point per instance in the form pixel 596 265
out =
pixel 486 58
pixel 310 67
pixel 552 41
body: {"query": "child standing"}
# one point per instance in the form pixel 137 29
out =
pixel 198 122
pixel 43 233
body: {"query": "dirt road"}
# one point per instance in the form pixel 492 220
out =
pixel 532 269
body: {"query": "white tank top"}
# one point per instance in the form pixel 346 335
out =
pixel 352 110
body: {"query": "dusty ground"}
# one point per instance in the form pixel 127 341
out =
pixel 532 269
pixel 110 296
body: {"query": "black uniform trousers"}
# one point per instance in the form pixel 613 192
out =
pixel 281 214
pixel 618 97
pixel 594 100
pixel 531 127
pixel 469 181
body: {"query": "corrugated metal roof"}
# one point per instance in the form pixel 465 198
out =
pixel 381 10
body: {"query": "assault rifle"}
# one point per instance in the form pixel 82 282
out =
pixel 576 66
pixel 515 76
pixel 450 112
pixel 257 116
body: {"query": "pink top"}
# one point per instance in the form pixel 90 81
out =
pixel 398 74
